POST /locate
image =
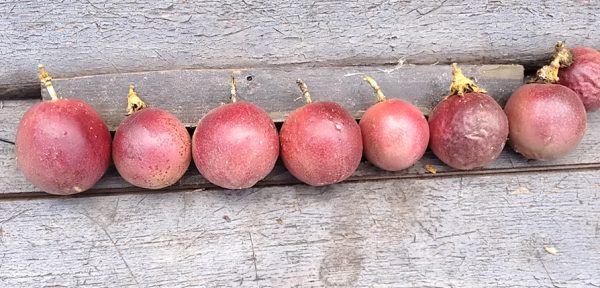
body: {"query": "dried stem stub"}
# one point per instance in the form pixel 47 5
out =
pixel 376 88
pixel 134 103
pixel 47 82
pixel 233 97
pixel 461 84
pixel 563 57
pixel 304 90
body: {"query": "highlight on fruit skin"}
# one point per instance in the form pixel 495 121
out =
pixel 321 143
pixel 62 145
pixel 235 145
pixel 468 129
pixel 582 75
pixel 395 133
pixel 151 147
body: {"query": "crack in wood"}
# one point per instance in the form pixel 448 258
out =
pixel 256 278
pixel 546 270
pixel 12 217
pixel 119 253
pixel 7 141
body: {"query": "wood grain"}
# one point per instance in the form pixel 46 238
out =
pixel 483 231
pixel 189 94
pixel 76 38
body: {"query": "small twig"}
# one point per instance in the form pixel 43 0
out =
pixel 7 141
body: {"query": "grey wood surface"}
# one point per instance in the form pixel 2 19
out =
pixel 76 38
pixel 481 231
pixel 189 94
pixel 486 228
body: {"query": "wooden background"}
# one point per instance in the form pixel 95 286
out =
pixel 75 38
pixel 485 228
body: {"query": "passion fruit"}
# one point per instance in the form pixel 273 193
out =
pixel 468 129
pixel 395 133
pixel 62 145
pixel 321 143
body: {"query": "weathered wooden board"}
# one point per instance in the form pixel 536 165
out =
pixel 11 112
pixel 77 38
pixel 189 94
pixel 587 155
pixel 484 231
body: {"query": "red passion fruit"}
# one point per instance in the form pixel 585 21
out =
pixel 468 129
pixel 151 147
pixel 236 145
pixel 321 143
pixel 547 120
pixel 395 133
pixel 62 145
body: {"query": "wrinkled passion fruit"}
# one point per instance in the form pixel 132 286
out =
pixel 468 129
pixel 582 75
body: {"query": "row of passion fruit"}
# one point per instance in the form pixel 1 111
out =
pixel 64 147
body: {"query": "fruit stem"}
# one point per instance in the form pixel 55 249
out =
pixel 47 82
pixel 461 84
pixel 563 57
pixel 376 88
pixel 304 90
pixel 233 89
pixel 134 103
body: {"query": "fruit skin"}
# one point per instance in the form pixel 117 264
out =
pixel 151 149
pixel 546 121
pixel 321 143
pixel 583 76
pixel 63 146
pixel 395 134
pixel 467 131
pixel 235 145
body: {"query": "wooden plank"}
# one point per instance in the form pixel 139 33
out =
pixel 11 112
pixel 484 231
pixel 76 38
pixel 587 155
pixel 189 94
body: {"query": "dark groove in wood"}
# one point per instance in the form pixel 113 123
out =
pixel 209 187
